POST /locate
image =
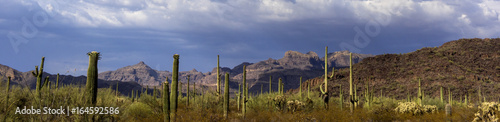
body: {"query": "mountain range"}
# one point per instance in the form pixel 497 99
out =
pixel 292 66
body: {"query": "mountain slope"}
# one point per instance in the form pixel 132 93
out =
pixel 290 68
pixel 463 66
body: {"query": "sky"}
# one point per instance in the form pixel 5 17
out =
pixel 129 31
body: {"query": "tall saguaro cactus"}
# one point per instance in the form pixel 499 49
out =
pixel 325 92
pixel 38 74
pixel 239 97
pixel 351 95
pixel 174 92
pixel 57 82
pixel 270 81
pixel 218 76
pixel 420 97
pixel 300 87
pixel 166 102
pixel 441 93
pixel 243 110
pixel 187 100
pixel 341 95
pixel 279 86
pixel 91 86
pixel 7 93
pixel 226 95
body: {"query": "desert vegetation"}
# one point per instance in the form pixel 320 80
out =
pixel 312 101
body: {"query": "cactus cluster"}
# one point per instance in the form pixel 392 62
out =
pixel 414 108
pixel 487 112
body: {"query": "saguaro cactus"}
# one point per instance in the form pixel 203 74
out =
pixel 133 97
pixel 38 74
pixel 270 81
pixel 238 97
pixel 279 85
pixel 166 102
pixel 218 76
pixel 325 92
pixel 187 93
pixel 57 82
pixel 341 95
pixel 419 93
pixel 91 86
pixel 243 110
pixel 450 101
pixel 300 87
pixel 175 86
pixel 7 93
pixel 226 96
pixel 441 93
pixel 309 89
pixel 351 95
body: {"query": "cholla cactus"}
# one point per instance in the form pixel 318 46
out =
pixel 487 112
pixel 295 105
pixel 279 102
pixel 414 108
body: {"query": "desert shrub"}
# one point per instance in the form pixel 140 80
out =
pixel 136 111
pixel 487 112
pixel 294 105
pixel 415 109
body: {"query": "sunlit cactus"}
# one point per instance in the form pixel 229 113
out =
pixel 91 86
pixel 218 76
pixel 270 81
pixel 166 102
pixel 175 86
pixel 187 93
pixel 351 95
pixel 226 96
pixel 245 93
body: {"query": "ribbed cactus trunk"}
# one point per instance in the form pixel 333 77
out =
pixel 166 102
pixel 91 86
pixel 38 74
pixel 187 100
pixel 325 92
pixel 175 87
pixel 7 93
pixel 57 82
pixel 194 91
pixel 243 110
pixel 280 86
pixel 449 97
pixel 300 87
pixel 351 95
pixel 226 96
pixel 218 76
pixel 261 88
pixel 341 95
pixel 270 85
pixel 239 97
pixel 133 97
pixel 116 91
pixel 309 89
pixel 448 112
pixel 441 93
pixel 419 92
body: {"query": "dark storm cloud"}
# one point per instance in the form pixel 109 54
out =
pixel 129 31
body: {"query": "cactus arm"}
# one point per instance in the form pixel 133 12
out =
pixel 333 73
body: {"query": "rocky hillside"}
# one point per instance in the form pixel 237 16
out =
pixel 26 79
pixel 463 65
pixel 289 68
